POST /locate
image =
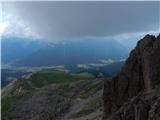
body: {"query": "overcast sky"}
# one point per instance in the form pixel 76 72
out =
pixel 66 20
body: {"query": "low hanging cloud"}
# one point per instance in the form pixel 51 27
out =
pixel 65 20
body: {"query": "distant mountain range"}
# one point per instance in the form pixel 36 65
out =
pixel 132 94
pixel 15 49
pixel 27 52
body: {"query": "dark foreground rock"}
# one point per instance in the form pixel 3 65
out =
pixel 133 94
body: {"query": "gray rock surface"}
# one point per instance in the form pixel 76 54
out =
pixel 140 75
pixel 78 100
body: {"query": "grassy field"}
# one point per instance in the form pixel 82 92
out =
pixel 43 78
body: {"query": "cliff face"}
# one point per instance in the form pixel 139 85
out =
pixel 138 79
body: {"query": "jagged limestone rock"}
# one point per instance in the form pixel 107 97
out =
pixel 140 74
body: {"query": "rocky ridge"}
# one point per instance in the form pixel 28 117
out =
pixel 43 97
pixel 134 94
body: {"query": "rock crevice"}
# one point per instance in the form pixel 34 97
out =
pixel 140 74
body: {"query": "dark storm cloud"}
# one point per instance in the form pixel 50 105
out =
pixel 62 20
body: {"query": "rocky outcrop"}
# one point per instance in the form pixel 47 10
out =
pixel 125 94
pixel 79 99
pixel 144 106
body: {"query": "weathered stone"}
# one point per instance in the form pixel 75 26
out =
pixel 140 74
